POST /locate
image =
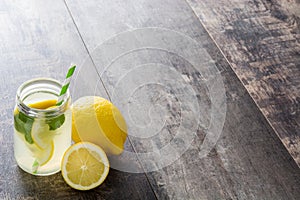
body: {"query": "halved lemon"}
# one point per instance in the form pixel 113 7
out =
pixel 84 166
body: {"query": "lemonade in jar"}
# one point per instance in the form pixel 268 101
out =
pixel 42 127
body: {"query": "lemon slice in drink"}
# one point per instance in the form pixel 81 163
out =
pixel 84 166
pixel 43 104
pixel 41 135
pixel 43 139
pixel 45 155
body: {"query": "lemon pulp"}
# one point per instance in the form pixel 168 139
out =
pixel 84 166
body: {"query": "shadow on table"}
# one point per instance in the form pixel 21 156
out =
pixel 54 187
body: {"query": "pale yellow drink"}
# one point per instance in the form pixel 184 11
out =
pixel 42 131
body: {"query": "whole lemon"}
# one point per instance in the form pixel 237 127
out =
pixel 97 120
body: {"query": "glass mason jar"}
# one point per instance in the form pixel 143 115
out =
pixel 42 130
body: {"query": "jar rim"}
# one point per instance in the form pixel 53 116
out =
pixel 35 112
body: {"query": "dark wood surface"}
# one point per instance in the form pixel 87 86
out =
pixel 39 39
pixel 42 38
pixel 260 39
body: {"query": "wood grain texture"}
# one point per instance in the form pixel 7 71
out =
pixel 248 162
pixel 39 39
pixel 260 39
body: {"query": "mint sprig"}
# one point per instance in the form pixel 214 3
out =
pixel 23 124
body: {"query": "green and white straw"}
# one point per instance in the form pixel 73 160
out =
pixel 65 86
pixel 60 100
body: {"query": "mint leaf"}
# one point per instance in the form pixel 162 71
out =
pixel 23 124
pixel 19 125
pixel 35 166
pixel 28 137
pixel 56 122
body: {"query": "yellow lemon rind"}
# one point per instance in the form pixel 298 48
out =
pixel 92 147
pixel 107 127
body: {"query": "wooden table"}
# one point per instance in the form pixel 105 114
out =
pixel 249 161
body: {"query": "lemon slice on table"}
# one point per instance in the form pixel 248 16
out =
pixel 84 166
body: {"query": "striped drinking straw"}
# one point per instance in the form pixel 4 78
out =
pixel 65 86
pixel 60 100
